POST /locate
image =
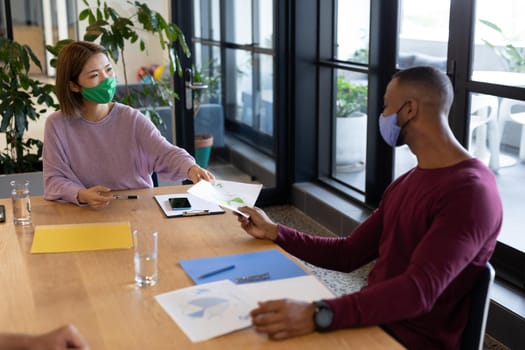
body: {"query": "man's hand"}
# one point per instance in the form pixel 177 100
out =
pixel 94 197
pixel 65 337
pixel 259 224
pixel 281 319
pixel 196 173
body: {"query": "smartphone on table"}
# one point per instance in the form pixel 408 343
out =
pixel 180 203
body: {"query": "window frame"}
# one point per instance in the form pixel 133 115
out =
pixel 508 261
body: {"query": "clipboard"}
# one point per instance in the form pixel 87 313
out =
pixel 237 267
pixel 198 206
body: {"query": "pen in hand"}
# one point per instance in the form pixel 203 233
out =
pixel 195 212
pixel 126 196
pixel 215 272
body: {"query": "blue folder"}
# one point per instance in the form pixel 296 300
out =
pixel 270 261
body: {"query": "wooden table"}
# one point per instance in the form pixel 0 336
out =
pixel 95 290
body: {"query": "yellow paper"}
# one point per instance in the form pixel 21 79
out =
pixel 81 237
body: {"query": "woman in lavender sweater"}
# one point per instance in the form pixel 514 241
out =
pixel 93 145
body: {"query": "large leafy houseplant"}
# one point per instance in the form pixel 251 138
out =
pixel 22 99
pixel 116 31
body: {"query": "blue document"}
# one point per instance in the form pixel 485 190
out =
pixel 242 268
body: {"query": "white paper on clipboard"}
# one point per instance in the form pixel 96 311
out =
pixel 198 206
pixel 228 194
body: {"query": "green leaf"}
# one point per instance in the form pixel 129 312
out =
pixel 34 58
pixel 110 12
pixel 100 15
pixel 491 25
pixel 84 14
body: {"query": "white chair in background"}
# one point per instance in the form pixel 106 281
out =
pixel 484 127
pixel 514 110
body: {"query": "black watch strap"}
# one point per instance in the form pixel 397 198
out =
pixel 323 316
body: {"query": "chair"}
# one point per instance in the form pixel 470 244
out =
pixel 484 125
pixel 515 110
pixel 474 332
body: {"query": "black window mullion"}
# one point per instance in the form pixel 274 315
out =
pixel 382 60
pixel 326 50
pixel 459 57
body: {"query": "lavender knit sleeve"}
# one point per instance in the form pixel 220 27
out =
pixel 60 182
pixel 170 162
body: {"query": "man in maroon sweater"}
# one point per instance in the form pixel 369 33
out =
pixel 430 237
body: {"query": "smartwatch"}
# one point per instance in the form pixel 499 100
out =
pixel 323 316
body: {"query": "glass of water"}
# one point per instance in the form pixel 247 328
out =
pixel 21 202
pixel 145 257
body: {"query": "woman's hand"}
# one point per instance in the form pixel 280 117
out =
pixel 196 173
pixel 94 197
pixel 258 224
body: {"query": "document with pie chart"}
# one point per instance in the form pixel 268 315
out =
pixel 208 310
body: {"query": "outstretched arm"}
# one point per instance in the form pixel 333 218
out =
pixel 65 337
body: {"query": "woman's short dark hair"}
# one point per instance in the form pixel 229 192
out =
pixel 70 62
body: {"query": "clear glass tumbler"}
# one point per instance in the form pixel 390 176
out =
pixel 145 257
pixel 21 202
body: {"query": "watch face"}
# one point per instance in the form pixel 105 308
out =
pixel 323 316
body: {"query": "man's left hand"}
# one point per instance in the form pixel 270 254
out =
pixel 284 318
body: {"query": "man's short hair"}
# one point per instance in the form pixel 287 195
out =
pixel 429 81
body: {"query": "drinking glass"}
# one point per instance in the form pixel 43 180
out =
pixel 145 257
pixel 21 202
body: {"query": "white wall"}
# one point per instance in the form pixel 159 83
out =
pixel 133 56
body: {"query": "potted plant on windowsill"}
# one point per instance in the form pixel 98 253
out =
pixel 22 99
pixel 351 104
pixel 207 96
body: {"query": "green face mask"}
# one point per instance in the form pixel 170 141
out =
pixel 102 93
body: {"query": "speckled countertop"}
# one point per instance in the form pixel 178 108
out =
pixel 339 283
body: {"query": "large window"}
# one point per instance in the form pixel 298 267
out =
pixel 422 40
pixel 235 56
pixel 38 24
pixel 347 65
pixel 484 55
pixel 243 34
pixel 498 75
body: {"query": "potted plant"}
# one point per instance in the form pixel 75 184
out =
pixel 208 97
pixel 22 99
pixel 351 105
pixel 115 31
pixel 211 79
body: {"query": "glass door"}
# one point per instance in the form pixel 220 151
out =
pixel 230 87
